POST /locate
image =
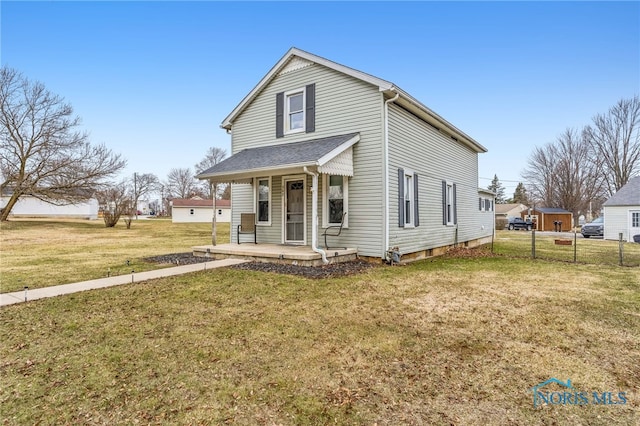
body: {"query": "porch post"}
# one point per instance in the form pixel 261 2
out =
pixel 314 215
pixel 213 224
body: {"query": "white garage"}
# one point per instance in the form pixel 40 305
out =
pixel 198 210
pixel 622 212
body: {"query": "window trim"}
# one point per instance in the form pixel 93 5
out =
pixel 287 112
pixel 256 198
pixel 325 200
pixel 449 198
pixel 414 202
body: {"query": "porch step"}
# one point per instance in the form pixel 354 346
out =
pixel 274 253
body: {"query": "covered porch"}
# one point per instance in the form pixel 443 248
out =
pixel 275 253
pixel 292 193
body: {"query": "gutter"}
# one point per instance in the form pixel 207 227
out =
pixel 385 224
pixel 314 215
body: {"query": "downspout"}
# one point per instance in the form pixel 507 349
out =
pixel 385 225
pixel 314 215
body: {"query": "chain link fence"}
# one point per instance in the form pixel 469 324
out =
pixel 567 247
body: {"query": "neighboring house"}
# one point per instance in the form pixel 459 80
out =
pixel 199 210
pixel 622 212
pixel 315 139
pixel 549 218
pixel 29 206
pixel 505 211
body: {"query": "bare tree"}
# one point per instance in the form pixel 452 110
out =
pixel 41 152
pixel 213 156
pixel 562 174
pixel 181 183
pixel 141 185
pixel 539 174
pixel 615 137
pixel 114 202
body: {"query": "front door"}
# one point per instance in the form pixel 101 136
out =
pixel 294 207
pixel 634 224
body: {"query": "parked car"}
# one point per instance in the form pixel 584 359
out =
pixel 595 228
pixel 519 223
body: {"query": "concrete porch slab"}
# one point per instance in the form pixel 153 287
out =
pixel 274 253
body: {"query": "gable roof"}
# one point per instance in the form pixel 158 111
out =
pixel 505 208
pixel 253 161
pixel 628 195
pixel 388 88
pixel 195 202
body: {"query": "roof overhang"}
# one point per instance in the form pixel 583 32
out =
pixel 333 155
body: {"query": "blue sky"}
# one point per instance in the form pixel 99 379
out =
pixel 154 80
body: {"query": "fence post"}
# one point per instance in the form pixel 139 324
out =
pixel 620 249
pixel 533 244
pixel 575 245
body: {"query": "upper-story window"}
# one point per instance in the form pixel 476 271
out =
pixel 294 115
pixel 296 111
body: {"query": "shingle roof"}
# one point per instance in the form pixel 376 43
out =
pixel 551 210
pixel 278 156
pixel 628 195
pixel 504 208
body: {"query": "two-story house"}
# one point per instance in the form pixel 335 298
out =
pixel 315 140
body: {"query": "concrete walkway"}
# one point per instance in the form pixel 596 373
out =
pixel 40 293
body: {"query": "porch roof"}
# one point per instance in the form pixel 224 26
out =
pixel 330 155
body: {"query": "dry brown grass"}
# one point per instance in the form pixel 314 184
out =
pixel 41 253
pixel 442 341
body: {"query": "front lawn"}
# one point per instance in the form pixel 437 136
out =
pixel 441 341
pixel 42 253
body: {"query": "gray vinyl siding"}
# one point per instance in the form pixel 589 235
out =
pixel 435 157
pixel 343 105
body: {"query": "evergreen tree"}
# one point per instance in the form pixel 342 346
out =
pixel 497 188
pixel 520 195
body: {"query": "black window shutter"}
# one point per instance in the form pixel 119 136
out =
pixel 455 205
pixel 280 115
pixel 416 216
pixel 480 203
pixel 310 116
pixel 401 198
pixel 444 202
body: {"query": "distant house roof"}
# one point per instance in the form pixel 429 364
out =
pixel 264 159
pixel 505 208
pixel 549 210
pixel 195 202
pixel 628 195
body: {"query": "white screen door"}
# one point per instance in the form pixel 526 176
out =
pixel 294 220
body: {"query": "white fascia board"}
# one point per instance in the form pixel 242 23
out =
pixel 334 152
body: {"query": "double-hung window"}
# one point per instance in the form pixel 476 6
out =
pixel 449 208
pixel 335 199
pixel 635 220
pixel 408 214
pixel 294 114
pixel 296 111
pixel 263 200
